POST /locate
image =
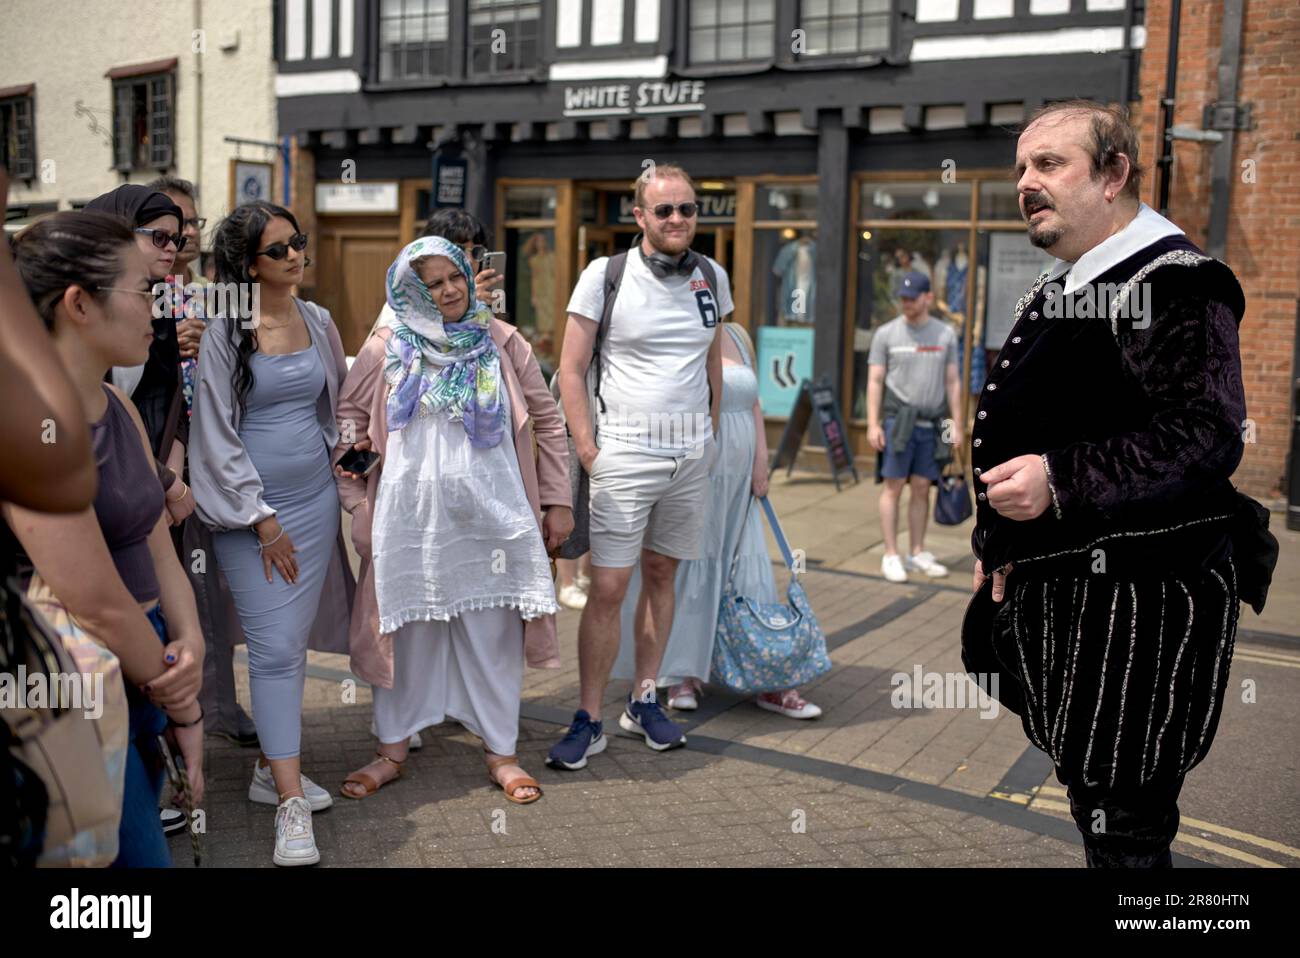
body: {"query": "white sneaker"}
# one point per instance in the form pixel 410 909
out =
pixel 892 568
pixel 583 582
pixel 571 597
pixel 924 562
pixel 682 698
pixel 294 842
pixel 262 789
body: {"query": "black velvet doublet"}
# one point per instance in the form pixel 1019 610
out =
pixel 1139 413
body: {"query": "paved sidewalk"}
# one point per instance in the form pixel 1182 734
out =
pixel 867 784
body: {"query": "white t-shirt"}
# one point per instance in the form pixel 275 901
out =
pixel 654 376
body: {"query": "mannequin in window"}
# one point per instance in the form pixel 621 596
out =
pixel 907 261
pixel 795 267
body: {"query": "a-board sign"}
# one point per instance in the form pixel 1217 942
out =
pixel 816 400
pixel 449 181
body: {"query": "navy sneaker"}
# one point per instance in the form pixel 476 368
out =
pixel 647 719
pixel 584 738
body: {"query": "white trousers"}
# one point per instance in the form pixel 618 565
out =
pixel 470 669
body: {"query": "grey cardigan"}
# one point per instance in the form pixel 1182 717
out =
pixel 227 489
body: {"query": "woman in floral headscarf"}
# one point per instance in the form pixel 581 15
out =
pixel 454 524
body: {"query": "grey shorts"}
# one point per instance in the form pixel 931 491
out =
pixel 643 500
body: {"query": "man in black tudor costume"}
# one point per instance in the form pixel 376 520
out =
pixel 1105 519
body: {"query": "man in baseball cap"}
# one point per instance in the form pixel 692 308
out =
pixel 912 384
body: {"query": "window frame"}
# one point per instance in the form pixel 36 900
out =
pixel 13 100
pixel 456 49
pixel 683 37
pixel 156 161
pixel 538 70
pixel 974 223
pixel 826 61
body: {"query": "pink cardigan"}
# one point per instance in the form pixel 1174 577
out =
pixel 543 462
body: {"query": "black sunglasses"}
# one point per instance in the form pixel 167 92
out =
pixel 161 238
pixel 198 222
pixel 281 250
pixel 665 210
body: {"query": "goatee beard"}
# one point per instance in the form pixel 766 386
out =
pixel 1045 238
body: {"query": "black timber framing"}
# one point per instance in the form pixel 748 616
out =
pixel 308 63
pixel 970 83
pixel 591 159
pixel 832 236
pixel 987 148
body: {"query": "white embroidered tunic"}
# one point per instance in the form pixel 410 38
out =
pixel 453 528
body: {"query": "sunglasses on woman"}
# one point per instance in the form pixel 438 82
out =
pixel 281 250
pixel 665 210
pixel 161 238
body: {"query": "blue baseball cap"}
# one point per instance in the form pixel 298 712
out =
pixel 913 285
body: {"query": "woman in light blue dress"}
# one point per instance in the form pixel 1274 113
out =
pixel 262 432
pixel 732 529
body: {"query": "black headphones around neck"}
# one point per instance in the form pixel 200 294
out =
pixel 663 265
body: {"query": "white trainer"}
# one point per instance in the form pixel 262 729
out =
pixel 925 562
pixel 262 789
pixel 295 844
pixel 892 568
pixel 571 597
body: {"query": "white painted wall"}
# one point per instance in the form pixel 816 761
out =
pixel 66 50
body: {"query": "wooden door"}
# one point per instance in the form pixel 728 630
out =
pixel 355 253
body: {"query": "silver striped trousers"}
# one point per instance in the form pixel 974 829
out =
pixel 1122 681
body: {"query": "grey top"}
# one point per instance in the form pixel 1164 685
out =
pixel 916 360
pixel 228 492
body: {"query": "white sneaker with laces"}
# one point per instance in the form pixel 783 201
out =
pixel 295 844
pixel 892 568
pixel 262 790
pixel 571 597
pixel 925 562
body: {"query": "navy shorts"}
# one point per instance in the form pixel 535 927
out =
pixel 916 460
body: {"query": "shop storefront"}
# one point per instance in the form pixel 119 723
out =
pixel 821 179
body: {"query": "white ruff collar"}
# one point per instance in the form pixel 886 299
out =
pixel 1146 228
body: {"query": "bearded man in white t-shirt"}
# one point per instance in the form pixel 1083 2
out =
pixel 650 454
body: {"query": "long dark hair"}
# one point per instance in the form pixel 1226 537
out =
pixel 234 248
pixel 70 249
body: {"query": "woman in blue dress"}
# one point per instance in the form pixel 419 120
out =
pixel 732 529
pixel 260 441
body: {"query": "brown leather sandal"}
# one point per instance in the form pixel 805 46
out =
pixel 524 781
pixel 369 782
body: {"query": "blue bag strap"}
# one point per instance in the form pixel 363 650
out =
pixel 780 536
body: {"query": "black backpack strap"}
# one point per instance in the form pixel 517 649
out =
pixel 614 267
pixel 710 277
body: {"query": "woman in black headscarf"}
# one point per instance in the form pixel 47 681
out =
pixel 155 387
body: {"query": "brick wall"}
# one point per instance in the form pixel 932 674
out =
pixel 1263 244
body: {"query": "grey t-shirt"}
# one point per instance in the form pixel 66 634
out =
pixel 915 359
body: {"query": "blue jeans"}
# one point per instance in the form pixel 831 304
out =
pixel 140 839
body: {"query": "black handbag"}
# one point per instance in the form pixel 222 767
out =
pixel 952 506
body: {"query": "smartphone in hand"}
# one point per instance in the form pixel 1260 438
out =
pixel 359 461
